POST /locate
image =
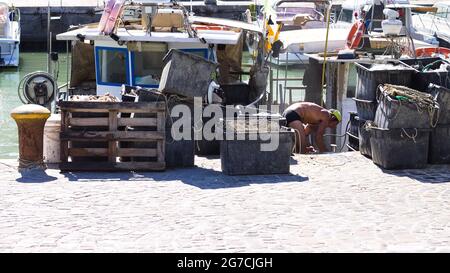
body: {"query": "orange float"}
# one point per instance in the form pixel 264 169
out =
pixel 432 51
pixel 355 35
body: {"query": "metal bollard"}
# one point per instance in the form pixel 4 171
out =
pixel 30 119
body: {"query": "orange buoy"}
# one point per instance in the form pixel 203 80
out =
pixel 355 35
pixel 432 51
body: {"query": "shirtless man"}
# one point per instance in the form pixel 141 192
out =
pixel 306 117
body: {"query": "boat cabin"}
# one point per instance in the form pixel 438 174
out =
pixel 133 54
pixel 9 35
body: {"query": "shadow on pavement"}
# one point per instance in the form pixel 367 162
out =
pixel 35 176
pixel 198 177
pixel 433 175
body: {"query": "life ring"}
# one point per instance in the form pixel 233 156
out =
pixel 355 35
pixel 432 51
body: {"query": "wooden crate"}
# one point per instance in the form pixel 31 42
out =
pixel 117 131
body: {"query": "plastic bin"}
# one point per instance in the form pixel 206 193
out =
pixel 369 80
pixel 422 79
pixel 186 74
pixel 179 154
pixel 399 148
pixel 51 139
pixel 366 109
pixel 442 97
pixel 364 138
pixel 237 93
pixel 244 157
pixel 440 145
pixel 395 114
pixel 354 124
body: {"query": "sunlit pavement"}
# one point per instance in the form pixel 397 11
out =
pixel 330 203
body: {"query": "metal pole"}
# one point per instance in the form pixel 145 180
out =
pixel 286 74
pixel 67 64
pixel 48 37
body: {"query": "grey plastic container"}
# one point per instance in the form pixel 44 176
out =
pixel 180 153
pixel 244 157
pixel 440 145
pixel 395 114
pixel 396 149
pixel 366 109
pixel 442 97
pixel 368 80
pixel 364 138
pixel 186 74
pixel 422 79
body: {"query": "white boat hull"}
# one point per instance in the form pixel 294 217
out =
pixel 9 53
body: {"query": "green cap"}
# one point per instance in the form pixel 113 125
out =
pixel 337 114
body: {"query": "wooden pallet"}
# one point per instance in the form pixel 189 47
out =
pixel 115 130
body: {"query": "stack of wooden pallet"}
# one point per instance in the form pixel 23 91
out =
pixel 104 126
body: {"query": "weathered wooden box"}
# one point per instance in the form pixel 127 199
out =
pixel 117 132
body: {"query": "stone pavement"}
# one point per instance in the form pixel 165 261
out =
pixel 330 203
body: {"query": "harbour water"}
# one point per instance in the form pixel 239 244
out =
pixel 9 82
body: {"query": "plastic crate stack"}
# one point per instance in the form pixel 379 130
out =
pixel 400 134
pixel 432 75
pixel 439 151
pixel 370 77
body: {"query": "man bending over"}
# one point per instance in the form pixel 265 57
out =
pixel 307 117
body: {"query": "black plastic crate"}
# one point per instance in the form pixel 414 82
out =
pixel 236 93
pixel 395 114
pixel 440 145
pixel 366 109
pixel 244 157
pixel 399 148
pixel 364 138
pixel 369 80
pixel 442 97
pixel 354 124
pixel 423 77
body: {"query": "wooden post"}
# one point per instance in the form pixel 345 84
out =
pixel 161 125
pixel 64 144
pixel 341 94
pixel 112 144
pixel 330 100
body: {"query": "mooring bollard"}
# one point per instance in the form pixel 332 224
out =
pixel 30 121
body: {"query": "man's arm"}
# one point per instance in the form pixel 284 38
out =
pixel 319 137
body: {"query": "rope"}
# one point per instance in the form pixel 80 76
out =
pixel 411 137
pixel 27 164
pixel 421 100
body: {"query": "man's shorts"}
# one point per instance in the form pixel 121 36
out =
pixel 291 115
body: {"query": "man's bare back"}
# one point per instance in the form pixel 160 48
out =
pixel 311 113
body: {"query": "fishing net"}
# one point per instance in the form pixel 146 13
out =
pixel 423 101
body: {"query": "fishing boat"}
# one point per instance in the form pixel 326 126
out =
pixel 293 15
pixel 435 22
pixel 358 26
pixel 130 41
pixel 9 35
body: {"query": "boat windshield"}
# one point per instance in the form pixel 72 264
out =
pixel 147 67
pixel 289 12
pixel 112 66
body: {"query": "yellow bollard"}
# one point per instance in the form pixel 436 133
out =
pixel 30 119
